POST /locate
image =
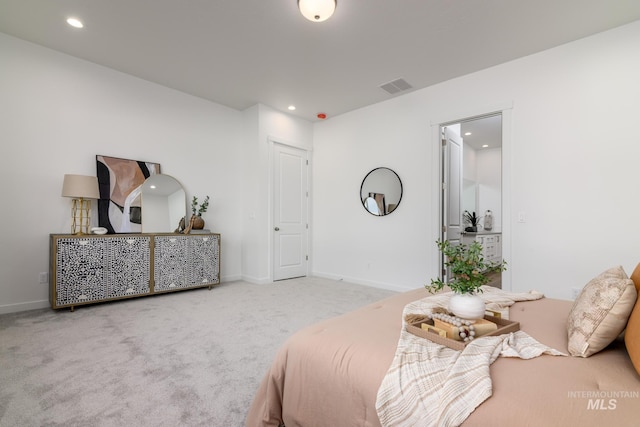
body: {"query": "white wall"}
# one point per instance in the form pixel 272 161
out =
pixel 349 243
pixel 482 187
pixel 469 181
pixel 264 127
pixel 58 112
pixel 489 179
pixel 469 163
pixel 573 156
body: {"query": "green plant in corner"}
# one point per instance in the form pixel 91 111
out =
pixel 467 267
pixel 195 210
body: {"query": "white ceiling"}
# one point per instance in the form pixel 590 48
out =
pixel 242 52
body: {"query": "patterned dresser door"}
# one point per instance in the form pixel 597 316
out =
pixel 81 266
pixel 129 268
pixel 204 260
pixel 170 262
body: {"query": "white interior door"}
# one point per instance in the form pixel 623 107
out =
pixel 451 187
pixel 290 224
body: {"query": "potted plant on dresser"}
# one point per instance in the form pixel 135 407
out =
pixel 196 219
pixel 468 271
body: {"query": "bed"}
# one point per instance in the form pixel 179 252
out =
pixel 328 374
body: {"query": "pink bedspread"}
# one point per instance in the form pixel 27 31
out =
pixel 328 374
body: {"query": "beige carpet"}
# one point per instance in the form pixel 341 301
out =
pixel 191 358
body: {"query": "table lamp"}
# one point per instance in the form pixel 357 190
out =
pixel 82 189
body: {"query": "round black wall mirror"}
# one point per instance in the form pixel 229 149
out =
pixel 381 191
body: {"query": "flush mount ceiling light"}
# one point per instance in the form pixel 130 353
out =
pixel 317 10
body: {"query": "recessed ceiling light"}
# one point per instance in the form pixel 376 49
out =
pixel 152 186
pixel 291 107
pixel 75 22
pixel 467 134
pixel 485 145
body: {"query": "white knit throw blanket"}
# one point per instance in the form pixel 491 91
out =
pixel 429 384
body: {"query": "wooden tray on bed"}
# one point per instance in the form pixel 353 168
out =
pixel 504 327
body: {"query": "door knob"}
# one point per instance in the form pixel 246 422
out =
pixel 277 228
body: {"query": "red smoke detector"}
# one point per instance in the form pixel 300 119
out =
pixel 322 116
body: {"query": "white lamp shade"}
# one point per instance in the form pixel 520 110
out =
pixel 80 187
pixel 317 10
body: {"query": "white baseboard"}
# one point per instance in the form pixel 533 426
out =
pixel 357 281
pixel 23 306
pixel 232 278
pixel 256 280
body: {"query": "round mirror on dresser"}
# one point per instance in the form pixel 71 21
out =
pixel 164 204
pixel 381 191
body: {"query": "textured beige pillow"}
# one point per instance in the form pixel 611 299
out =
pixel 600 312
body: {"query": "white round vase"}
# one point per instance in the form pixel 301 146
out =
pixel 467 306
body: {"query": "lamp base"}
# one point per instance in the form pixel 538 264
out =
pixel 80 216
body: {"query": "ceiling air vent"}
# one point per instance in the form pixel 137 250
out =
pixel 396 86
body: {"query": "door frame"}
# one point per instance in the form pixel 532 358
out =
pixel 272 141
pixel 506 110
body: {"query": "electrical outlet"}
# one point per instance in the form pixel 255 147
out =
pixel 575 292
pixel 522 216
pixel 44 277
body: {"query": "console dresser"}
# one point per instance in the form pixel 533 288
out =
pixel 87 269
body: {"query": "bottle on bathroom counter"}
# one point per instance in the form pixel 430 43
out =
pixel 488 221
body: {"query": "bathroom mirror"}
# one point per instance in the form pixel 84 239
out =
pixel 164 204
pixel 381 191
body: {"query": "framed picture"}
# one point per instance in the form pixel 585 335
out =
pixel 120 182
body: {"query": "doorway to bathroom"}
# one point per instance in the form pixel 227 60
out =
pixel 471 199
